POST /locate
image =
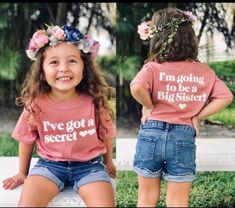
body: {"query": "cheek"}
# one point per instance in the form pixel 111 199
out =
pixel 80 73
pixel 48 74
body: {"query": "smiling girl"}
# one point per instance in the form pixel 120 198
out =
pixel 67 116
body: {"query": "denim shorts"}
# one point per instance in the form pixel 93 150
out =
pixel 71 173
pixel 166 150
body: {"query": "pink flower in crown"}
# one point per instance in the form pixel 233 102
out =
pixel 191 16
pixel 57 32
pixel 144 30
pixel 95 49
pixel 38 40
pixel 95 46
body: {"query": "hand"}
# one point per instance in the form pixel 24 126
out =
pixel 14 181
pixel 196 125
pixel 111 169
pixel 146 112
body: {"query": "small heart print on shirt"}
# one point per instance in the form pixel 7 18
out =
pixel 91 131
pixel 84 133
pixel 182 106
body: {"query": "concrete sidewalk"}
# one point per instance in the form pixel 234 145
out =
pixel 213 154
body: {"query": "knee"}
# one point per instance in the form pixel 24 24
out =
pixel 176 203
pixel 26 203
pixel 30 203
pixel 148 200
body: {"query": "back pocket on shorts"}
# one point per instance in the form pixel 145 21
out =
pixel 185 152
pixel 145 148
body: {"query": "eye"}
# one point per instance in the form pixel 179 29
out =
pixel 53 62
pixel 73 61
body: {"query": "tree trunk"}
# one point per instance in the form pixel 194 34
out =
pixel 172 5
pixel 61 14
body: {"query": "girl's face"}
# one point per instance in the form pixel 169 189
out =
pixel 63 68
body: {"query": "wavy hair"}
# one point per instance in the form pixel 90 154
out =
pixel 93 83
pixel 184 45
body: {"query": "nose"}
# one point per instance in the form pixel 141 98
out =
pixel 63 67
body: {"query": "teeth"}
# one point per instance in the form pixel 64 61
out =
pixel 64 78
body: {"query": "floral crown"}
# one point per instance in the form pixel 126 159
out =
pixel 55 34
pixel 147 31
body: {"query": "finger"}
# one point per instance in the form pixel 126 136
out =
pixel 15 184
pixel 197 131
pixel 6 180
pixel 12 183
pixel 112 175
pixel 8 184
pixel 114 172
pixel 143 119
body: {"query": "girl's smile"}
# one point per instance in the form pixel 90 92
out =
pixel 64 78
pixel 63 70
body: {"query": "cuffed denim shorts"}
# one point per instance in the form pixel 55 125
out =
pixel 166 150
pixel 71 173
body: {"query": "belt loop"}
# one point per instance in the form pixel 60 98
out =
pixel 167 127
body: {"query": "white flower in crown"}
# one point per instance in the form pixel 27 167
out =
pixel 84 46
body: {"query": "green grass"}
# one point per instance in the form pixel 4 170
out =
pixel 210 189
pixel 9 146
pixel 226 116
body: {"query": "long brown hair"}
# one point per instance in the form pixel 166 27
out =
pixel 184 45
pixel 93 83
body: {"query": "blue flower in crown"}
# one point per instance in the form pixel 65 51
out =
pixel 72 34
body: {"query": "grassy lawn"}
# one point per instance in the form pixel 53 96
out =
pixel 9 146
pixel 226 116
pixel 210 189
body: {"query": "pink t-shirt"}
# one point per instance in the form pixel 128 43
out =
pixel 179 90
pixel 65 131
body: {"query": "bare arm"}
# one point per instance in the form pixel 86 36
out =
pixel 25 154
pixel 108 158
pixel 213 107
pixel 142 96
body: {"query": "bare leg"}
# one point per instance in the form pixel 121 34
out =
pixel 98 194
pixel 37 191
pixel 148 192
pixel 177 194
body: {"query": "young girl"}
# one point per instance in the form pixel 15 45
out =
pixel 176 92
pixel 67 115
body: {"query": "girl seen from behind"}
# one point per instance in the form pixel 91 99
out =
pixel 176 91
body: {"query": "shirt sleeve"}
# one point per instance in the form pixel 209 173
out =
pixel 24 131
pixel 220 90
pixel 144 77
pixel 106 128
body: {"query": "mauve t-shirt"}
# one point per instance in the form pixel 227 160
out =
pixel 65 131
pixel 179 90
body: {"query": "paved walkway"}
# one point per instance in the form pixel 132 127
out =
pixel 213 154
